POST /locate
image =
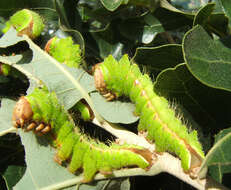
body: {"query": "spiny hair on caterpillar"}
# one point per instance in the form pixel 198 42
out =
pixel 177 108
pixel 82 151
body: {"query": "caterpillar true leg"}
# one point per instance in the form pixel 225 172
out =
pixel 40 127
pixel 46 129
pixel 31 126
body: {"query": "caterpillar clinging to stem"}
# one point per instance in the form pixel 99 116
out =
pixel 41 112
pixel 157 119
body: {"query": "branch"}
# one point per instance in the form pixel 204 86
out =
pixel 164 163
pixel 124 135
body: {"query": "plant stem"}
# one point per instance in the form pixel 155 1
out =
pixel 124 136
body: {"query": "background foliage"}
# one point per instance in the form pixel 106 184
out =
pixel 186 51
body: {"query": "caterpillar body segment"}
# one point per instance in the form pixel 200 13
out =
pixel 65 51
pixel 156 116
pixel 81 152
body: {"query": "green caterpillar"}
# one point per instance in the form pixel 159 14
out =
pixel 41 112
pixel 65 51
pixel 114 79
pixel 25 22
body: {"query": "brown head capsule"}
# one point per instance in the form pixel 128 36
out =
pixel 22 112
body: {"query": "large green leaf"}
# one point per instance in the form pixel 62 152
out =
pixel 13 174
pixel 3 79
pixel 108 44
pixel 111 5
pixel 168 6
pixel 144 29
pixel 173 19
pixel 137 29
pixel 10 38
pixel 226 7
pixel 6 111
pixel 7 8
pixel 203 14
pixel 212 22
pixel 176 84
pixel 207 59
pixel 219 157
pixel 218 24
pixel 41 169
pixel 188 4
pixel 11 150
pixel 159 58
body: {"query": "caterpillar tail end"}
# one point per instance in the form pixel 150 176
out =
pixel 196 162
pixel 22 112
pixel 147 155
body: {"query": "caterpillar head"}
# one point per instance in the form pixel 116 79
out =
pixel 22 112
pixel 100 84
pixel 23 116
